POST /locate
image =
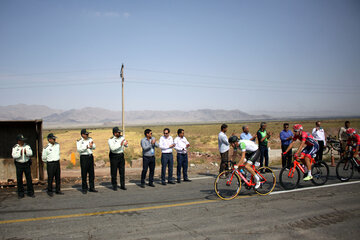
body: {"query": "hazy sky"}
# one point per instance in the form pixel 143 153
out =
pixel 185 55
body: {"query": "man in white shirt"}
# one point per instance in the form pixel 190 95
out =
pixel 117 160
pixel 51 156
pixel 181 146
pixel 319 134
pixel 85 146
pixel 166 144
pixel 224 147
pixel 21 153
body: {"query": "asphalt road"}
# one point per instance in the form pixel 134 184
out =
pixel 186 211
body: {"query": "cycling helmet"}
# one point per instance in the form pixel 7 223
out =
pixel 297 127
pixel 233 139
pixel 350 131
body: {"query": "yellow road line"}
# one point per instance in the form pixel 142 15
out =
pixel 106 212
pixel 114 211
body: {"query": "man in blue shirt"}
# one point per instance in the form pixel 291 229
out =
pixel 246 135
pixel 286 136
pixel 148 144
pixel 224 147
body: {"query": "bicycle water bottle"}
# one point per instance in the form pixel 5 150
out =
pixel 304 167
pixel 243 172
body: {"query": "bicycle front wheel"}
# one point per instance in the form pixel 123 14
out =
pixel 345 170
pixel 320 173
pixel 289 177
pixel 267 181
pixel 227 185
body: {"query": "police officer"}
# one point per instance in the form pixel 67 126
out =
pixel 21 153
pixel 51 155
pixel 85 147
pixel 117 160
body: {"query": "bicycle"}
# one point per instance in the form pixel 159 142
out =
pixel 228 183
pixel 345 168
pixel 332 143
pixel 290 176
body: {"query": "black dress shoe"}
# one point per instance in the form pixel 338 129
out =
pixel 151 185
pixel 93 190
pixel 187 180
pixel 179 181
pixel 123 188
pixel 114 188
pixel 142 185
pixel 163 183
pixel 21 195
pixel 171 182
pixel 31 195
pixel 84 191
pixel 50 194
pixel 59 193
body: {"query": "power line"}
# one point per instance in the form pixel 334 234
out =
pixel 60 72
pixel 202 86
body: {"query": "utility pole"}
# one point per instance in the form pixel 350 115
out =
pixel 122 88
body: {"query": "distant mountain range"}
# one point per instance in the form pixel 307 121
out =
pixel 99 116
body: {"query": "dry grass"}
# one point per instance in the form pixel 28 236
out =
pixel 203 138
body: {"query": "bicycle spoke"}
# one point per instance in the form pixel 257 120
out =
pixel 345 170
pixel 320 173
pixel 227 185
pixel 289 178
pixel 267 180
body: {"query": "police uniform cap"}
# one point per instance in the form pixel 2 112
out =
pixel 83 131
pixel 116 130
pixel 51 136
pixel 20 137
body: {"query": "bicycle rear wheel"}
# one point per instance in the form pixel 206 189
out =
pixel 320 173
pixel 345 169
pixel 267 180
pixel 289 177
pixel 227 185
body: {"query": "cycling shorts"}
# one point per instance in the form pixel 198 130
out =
pixel 251 158
pixel 310 151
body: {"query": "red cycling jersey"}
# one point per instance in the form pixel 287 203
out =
pixel 354 140
pixel 307 138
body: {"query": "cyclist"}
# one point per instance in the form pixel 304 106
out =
pixel 353 140
pixel 307 152
pixel 251 151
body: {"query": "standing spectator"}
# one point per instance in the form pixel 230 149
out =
pixel 166 144
pixel 85 146
pixel 21 153
pixel 117 160
pixel 286 136
pixel 181 146
pixel 320 136
pixel 343 136
pixel 224 147
pixel 263 137
pixel 246 135
pixel 51 155
pixel 148 144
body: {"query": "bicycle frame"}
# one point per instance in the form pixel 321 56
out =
pixel 248 183
pixel 298 165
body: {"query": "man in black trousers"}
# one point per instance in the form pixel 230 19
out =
pixel 51 155
pixel 85 146
pixel 117 160
pixel 21 153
